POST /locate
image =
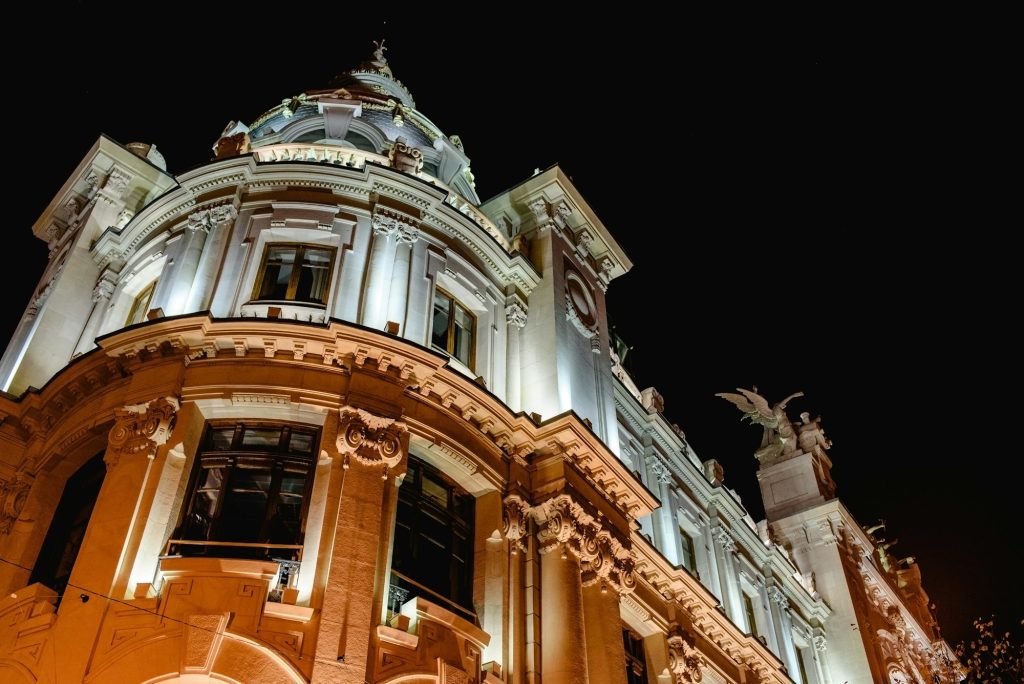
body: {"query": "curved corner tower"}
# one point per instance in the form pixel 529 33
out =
pixel 311 412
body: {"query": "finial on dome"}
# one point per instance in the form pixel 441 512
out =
pixel 379 61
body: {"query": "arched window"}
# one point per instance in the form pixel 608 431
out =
pixel 433 546
pixel 249 492
pixel 67 529
pixel 360 142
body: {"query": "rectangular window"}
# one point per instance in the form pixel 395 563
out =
pixel 748 605
pixel 140 307
pixel 248 492
pixel 636 660
pixel 453 328
pixel 433 546
pixel 689 552
pixel 295 273
pixel 801 655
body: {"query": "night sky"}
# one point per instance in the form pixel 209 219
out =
pixel 811 204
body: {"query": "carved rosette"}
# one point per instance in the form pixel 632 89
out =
pixel 515 521
pixel 208 219
pixel 140 428
pixel 371 439
pixel 684 660
pixel 13 495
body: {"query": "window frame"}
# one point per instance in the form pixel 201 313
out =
pixel 140 305
pixel 420 512
pixel 279 458
pixel 293 279
pixel 453 302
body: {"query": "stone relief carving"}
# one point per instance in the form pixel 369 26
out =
pixel 580 309
pixel 140 428
pixel 405 157
pixel 13 494
pixel 515 315
pixel 684 660
pixel 371 439
pixel 515 521
pixel 208 219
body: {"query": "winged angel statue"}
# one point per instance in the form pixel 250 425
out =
pixel 779 437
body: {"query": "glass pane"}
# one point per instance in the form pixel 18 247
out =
pixel 220 438
pixel 245 505
pixel 435 490
pixel 439 327
pixel 277 271
pixel 264 438
pixel 463 335
pixel 314 276
pixel 301 442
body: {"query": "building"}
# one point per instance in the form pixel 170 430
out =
pixel 313 412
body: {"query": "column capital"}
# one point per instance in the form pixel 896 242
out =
pixel 612 564
pixel 778 597
pixel 371 439
pixel 724 539
pixel 388 222
pixel 515 314
pixel 140 428
pixel 208 219
pixel 564 522
pixel 684 660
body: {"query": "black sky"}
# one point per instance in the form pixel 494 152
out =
pixel 816 202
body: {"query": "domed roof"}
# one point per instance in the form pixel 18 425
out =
pixel 385 102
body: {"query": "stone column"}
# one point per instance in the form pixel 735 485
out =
pixel 372 448
pixel 666 527
pixel 132 443
pixel 779 605
pixel 215 223
pixel 515 525
pixel 186 263
pixel 515 318
pixel 398 299
pixel 606 576
pixel 725 548
pixel 565 531
pixel 386 226
pixel 101 294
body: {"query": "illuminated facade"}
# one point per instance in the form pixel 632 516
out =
pixel 312 412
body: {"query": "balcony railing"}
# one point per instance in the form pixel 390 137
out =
pixel 357 159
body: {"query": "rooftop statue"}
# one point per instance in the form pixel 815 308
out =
pixel 779 438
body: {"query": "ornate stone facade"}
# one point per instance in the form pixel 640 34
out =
pixel 296 465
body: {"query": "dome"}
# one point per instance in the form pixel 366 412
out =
pixel 368 109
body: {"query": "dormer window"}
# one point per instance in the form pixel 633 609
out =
pixel 295 273
pixel 453 328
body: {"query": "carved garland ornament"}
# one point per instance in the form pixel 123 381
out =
pixel 140 428
pixel 371 439
pixel 684 660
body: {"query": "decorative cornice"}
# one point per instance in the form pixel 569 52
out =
pixel 140 428
pixel 372 439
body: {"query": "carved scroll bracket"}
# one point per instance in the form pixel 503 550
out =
pixel 140 428
pixel 371 439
